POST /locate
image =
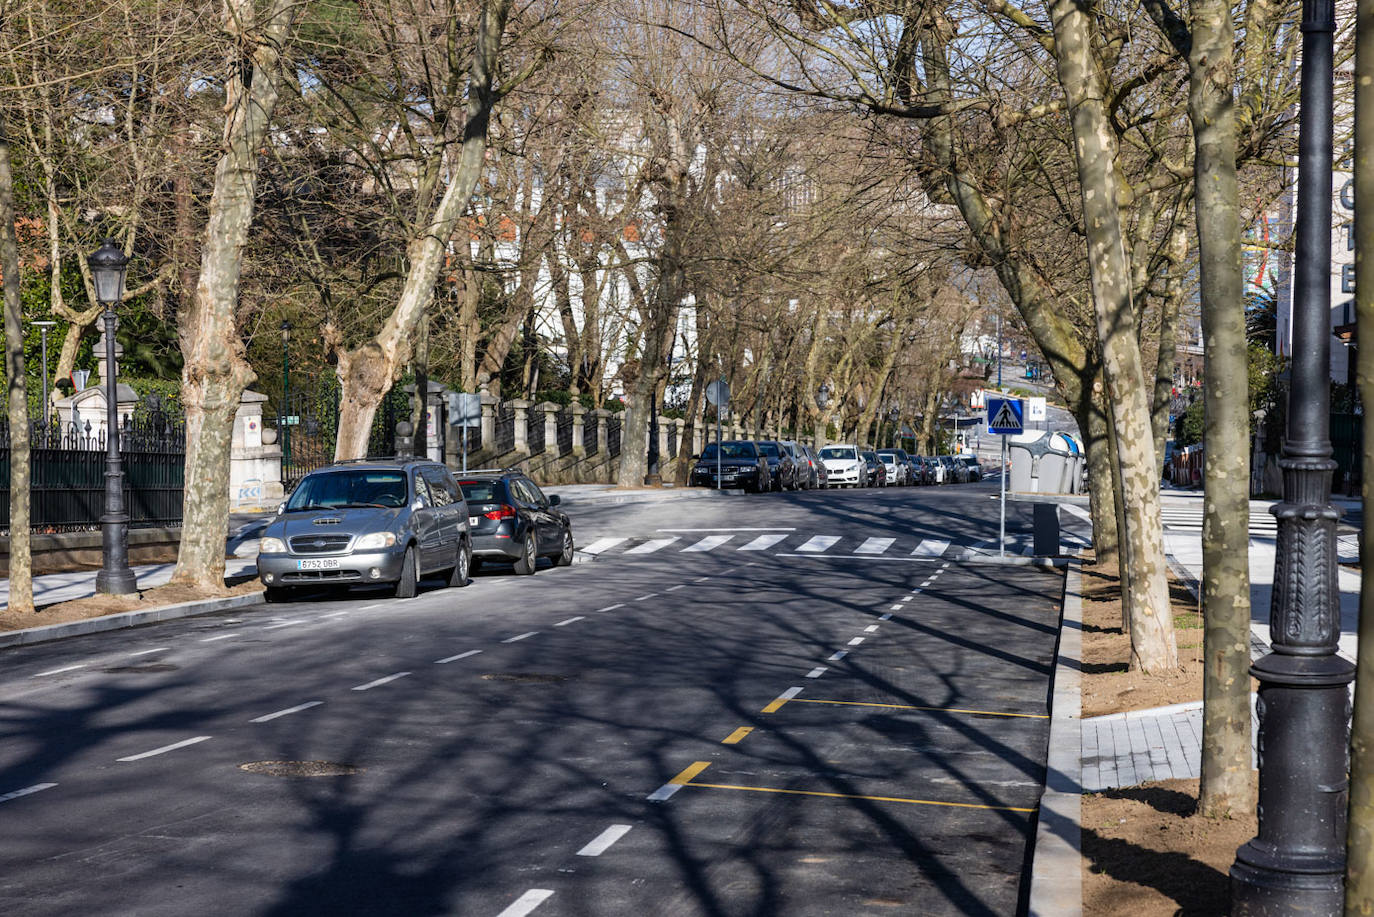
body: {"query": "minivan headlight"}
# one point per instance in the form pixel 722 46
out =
pixel 271 546
pixel 374 541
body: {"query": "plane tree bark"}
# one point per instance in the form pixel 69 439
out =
pixel 20 599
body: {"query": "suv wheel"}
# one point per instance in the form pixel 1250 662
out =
pixel 275 595
pixel 528 559
pixel 564 557
pixel 462 566
pixel 405 586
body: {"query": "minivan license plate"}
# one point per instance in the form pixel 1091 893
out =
pixel 320 563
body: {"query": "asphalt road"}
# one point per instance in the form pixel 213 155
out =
pixel 704 727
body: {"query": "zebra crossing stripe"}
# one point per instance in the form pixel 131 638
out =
pixel 874 546
pixel 707 543
pixel 763 542
pixel 650 547
pixel 930 547
pixel 820 543
pixel 601 545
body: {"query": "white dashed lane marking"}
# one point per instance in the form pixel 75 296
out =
pixel 819 543
pixel 527 902
pixel 601 545
pixel 837 655
pixel 649 547
pixel 572 620
pixel 930 547
pixel 710 542
pixel 65 668
pixel 856 641
pixel 763 542
pixel 874 546
pixel 287 712
pixel 610 607
pixel 219 637
pixel 604 840
pixel 817 672
pixel 519 637
pixel 160 649
pixel 380 681
pixel 456 658
pixel 26 791
pixel 164 749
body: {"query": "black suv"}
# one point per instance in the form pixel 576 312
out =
pixel 512 520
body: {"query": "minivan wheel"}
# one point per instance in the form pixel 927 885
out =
pixel 405 586
pixel 276 594
pixel 528 559
pixel 462 566
pixel 564 558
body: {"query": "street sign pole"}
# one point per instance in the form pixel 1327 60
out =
pixel 1005 417
pixel 1002 526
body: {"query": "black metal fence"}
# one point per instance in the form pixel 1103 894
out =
pixel 534 430
pixel 565 430
pixel 590 439
pixel 613 435
pixel 309 429
pixel 505 428
pixel 67 475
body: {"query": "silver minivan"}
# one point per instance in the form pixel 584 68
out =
pixel 367 523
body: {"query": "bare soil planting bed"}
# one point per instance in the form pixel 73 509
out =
pixel 100 605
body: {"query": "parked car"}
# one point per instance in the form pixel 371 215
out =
pixel 822 475
pixel 740 462
pixel 367 522
pixel 945 471
pixel 804 472
pixel 895 461
pixel 973 469
pixel 844 466
pixel 925 470
pixel 780 465
pixel 877 472
pixel 913 471
pixel 513 520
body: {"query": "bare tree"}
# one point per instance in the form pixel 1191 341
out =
pixel 20 564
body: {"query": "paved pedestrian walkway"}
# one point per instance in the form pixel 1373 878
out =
pixel 1162 743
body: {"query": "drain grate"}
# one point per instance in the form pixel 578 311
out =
pixel 146 667
pixel 300 768
pixel 529 678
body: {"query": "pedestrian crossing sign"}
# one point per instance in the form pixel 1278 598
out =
pixel 1005 416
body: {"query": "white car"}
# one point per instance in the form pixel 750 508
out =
pixel 844 465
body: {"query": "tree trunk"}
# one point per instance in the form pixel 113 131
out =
pixel 1225 786
pixel 21 570
pixel 216 371
pixel 1359 876
pixel 1169 310
pixel 1153 649
pixel 367 372
pixel 1102 493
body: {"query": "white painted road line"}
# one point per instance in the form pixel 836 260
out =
pixel 164 749
pixel 701 579
pixel 817 672
pixel 381 681
pixel 456 658
pixel 520 636
pixel 649 547
pixel 725 528
pixel 648 596
pixel 219 637
pixel 676 588
pixel 26 791
pixel 885 617
pixel 572 620
pixel 335 614
pixel 899 606
pixel 374 605
pixel 610 607
pixel 837 655
pixel 856 641
pixel 287 712
pixel 710 542
pixel 527 902
pixel 819 543
pixel 870 628
pixel 874 545
pixel 763 542
pixel 65 668
pixel 664 793
pixel 600 546
pixel 930 547
pixel 282 624
pixel 160 649
pixel 604 840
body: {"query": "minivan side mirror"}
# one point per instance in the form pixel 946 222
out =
pixel 281 507
pixel 555 499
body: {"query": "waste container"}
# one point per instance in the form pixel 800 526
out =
pixel 1044 462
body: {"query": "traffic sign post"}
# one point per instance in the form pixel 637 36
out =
pixel 1005 418
pixel 718 393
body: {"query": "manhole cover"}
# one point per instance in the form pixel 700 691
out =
pixel 300 768
pixel 533 678
pixel 146 667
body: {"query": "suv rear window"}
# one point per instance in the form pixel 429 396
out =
pixel 482 491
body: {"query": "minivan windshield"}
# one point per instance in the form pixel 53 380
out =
pixel 838 452
pixel 343 489
pixel 729 450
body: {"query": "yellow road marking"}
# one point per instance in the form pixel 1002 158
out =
pixel 735 737
pixel 918 802
pixel 781 699
pixel 851 703
pixel 685 778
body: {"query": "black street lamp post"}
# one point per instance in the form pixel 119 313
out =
pixel 108 264
pixel 47 407
pixel 822 399
pixel 283 426
pixel 1296 863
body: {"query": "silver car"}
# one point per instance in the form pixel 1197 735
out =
pixel 367 522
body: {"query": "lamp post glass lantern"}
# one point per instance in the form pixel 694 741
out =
pixel 284 428
pixel 108 265
pixel 1296 863
pixel 46 406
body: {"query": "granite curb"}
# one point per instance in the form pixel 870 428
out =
pixel 125 619
pixel 1057 863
